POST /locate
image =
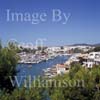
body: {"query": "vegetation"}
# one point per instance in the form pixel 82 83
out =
pixel 79 84
pixel 77 50
pixel 97 49
pixel 8 61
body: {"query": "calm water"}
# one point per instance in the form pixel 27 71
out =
pixel 36 69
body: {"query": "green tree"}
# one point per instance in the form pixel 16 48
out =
pixel 8 61
pixel 0 45
pixel 96 49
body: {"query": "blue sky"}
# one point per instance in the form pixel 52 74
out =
pixel 82 26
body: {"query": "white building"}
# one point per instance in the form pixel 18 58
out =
pixel 61 68
pixel 27 46
pixel 84 48
pixel 54 49
pixel 93 59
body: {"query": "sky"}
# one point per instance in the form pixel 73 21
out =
pixel 82 26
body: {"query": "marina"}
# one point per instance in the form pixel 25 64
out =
pixel 38 68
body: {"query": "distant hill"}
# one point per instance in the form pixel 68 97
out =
pixel 84 44
pixel 97 45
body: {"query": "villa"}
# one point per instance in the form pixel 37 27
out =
pixel 61 68
pixel 92 59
